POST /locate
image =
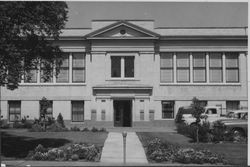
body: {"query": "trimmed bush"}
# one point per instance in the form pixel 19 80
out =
pixel 103 130
pixel 60 120
pixel 75 128
pixel 181 111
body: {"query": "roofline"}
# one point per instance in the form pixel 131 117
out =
pixel 123 19
pixel 242 27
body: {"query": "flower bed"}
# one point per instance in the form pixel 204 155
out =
pixel 71 152
pixel 157 151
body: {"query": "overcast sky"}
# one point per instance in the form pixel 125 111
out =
pixel 165 14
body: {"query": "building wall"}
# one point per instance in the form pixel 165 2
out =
pixel 147 72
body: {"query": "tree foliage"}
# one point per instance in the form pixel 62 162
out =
pixel 197 111
pixel 26 28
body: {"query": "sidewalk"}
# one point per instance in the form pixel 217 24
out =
pixel 113 149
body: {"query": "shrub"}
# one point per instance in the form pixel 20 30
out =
pixel 75 128
pixel 36 128
pixel 56 127
pixel 190 131
pixel 103 130
pixel 69 152
pixel 75 157
pixel 17 124
pixel 189 155
pixel 94 129
pixel 60 120
pixel 85 130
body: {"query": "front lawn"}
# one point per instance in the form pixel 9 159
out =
pixel 16 144
pixel 235 153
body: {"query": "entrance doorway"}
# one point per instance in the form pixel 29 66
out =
pixel 122 113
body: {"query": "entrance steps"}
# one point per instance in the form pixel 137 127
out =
pixel 113 149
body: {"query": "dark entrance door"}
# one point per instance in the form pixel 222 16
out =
pixel 122 113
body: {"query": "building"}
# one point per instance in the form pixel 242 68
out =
pixel 131 73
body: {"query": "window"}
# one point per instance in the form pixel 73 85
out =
pixel 183 67
pixel 77 111
pixel 215 67
pixel 103 116
pixel 31 76
pixel 232 105
pixel 167 109
pixel 232 67
pixel 166 65
pixel 151 115
pixel 63 75
pixel 93 115
pixel 122 67
pixel 14 110
pixel 78 67
pixel 44 76
pixel 203 103
pixel 199 67
pixel 142 115
pixel 129 67
pixel 49 112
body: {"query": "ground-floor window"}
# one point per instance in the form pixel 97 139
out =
pixel 167 109
pixel 14 110
pixel 232 105
pixel 77 111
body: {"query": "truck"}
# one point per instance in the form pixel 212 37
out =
pixel 210 114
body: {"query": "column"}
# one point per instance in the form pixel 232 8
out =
pixel 207 67
pixel 122 67
pixel 224 67
pixel 191 68
pixel 174 59
pixel 70 67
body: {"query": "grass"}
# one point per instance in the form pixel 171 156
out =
pixel 16 144
pixel 235 153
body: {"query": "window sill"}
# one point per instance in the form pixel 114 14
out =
pixel 122 79
pixel 200 84
pixel 52 84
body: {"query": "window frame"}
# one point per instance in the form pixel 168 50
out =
pixel 218 68
pixel 162 108
pixel 183 68
pixel 122 58
pixel 73 101
pixel 232 68
pixel 66 54
pixel 9 114
pixel 79 68
pixel 199 67
pixel 167 68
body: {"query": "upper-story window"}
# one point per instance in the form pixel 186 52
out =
pixel 122 66
pixel 78 67
pixel 63 75
pixel 183 67
pixel 199 67
pixel 215 67
pixel 167 67
pixel 45 78
pixel 31 76
pixel 232 67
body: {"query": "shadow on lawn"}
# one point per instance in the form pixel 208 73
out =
pixel 19 146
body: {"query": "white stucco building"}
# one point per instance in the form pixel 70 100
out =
pixel 131 73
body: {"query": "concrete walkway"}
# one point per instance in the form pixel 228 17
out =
pixel 113 149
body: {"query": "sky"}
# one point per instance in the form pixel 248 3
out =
pixel 165 14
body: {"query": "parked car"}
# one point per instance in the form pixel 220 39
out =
pixel 237 125
pixel 237 114
pixel 210 114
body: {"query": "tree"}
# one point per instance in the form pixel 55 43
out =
pixel 44 105
pixel 26 30
pixel 197 111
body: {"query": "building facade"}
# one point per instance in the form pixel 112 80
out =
pixel 129 73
